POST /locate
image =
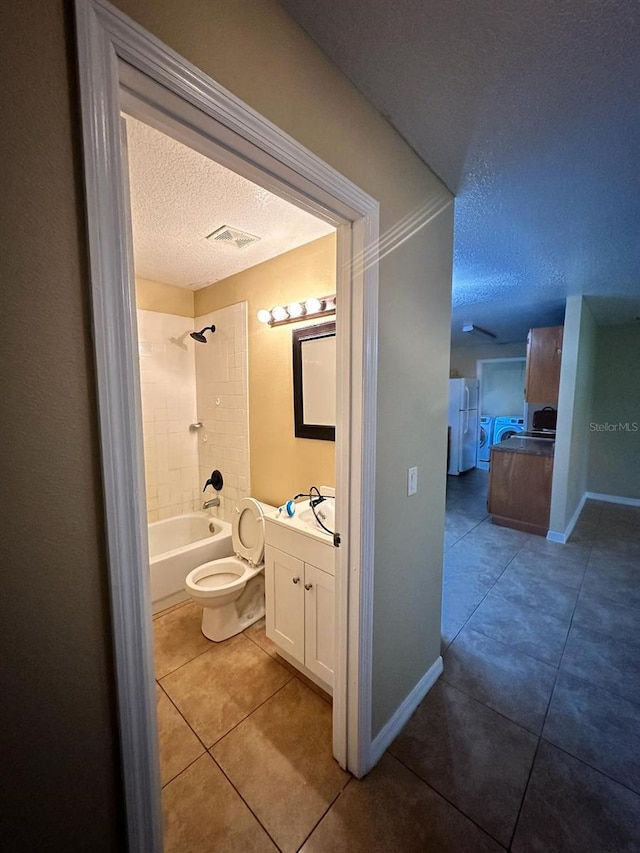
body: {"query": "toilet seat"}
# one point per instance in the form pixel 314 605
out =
pixel 219 577
pixel 248 531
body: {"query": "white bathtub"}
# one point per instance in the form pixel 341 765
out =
pixel 179 544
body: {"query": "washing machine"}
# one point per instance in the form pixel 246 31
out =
pixel 485 440
pixel 506 428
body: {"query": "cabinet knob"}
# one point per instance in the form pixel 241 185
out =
pixel 296 580
pixel 308 585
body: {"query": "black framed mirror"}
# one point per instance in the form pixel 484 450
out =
pixel 314 381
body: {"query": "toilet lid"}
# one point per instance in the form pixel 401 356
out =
pixel 248 531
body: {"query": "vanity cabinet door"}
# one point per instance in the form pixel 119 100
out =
pixel 319 608
pixel 284 576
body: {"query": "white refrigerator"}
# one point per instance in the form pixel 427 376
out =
pixel 463 423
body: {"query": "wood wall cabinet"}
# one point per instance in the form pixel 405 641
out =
pixel 544 356
pixel 520 490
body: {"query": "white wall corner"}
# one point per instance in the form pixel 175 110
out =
pixel 563 537
pixel 613 499
pixel 399 719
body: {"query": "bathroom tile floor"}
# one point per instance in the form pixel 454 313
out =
pixel 530 741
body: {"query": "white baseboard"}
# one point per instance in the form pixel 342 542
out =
pixel 555 536
pixel 397 722
pixel 613 499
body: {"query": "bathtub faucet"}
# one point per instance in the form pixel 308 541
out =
pixel 211 503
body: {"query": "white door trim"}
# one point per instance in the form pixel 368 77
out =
pixel 105 40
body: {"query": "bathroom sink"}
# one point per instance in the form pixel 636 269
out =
pixel 307 517
pixel 304 521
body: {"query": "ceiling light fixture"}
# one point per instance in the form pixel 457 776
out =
pixel 478 330
pixel 307 310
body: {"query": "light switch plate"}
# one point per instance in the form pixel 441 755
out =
pixel 412 481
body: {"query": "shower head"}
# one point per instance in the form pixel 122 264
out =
pixel 199 336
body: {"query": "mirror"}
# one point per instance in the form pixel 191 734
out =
pixel 314 381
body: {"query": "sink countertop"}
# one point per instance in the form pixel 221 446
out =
pixel 526 444
pixel 301 523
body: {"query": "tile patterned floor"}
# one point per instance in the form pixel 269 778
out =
pixel 530 741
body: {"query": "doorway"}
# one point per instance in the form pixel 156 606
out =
pixel 124 68
pixel 501 382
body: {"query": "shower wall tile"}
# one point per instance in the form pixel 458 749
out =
pixel 169 405
pixel 222 404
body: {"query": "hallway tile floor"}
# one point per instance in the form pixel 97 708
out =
pixel 530 741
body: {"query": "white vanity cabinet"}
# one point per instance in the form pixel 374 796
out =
pixel 300 599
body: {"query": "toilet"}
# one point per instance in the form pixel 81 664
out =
pixel 231 590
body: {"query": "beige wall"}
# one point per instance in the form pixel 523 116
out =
pixel 165 298
pixel 614 452
pixel 464 359
pixel 65 791
pixel 59 740
pixel 571 458
pixel 306 96
pixel 281 464
pixel 413 396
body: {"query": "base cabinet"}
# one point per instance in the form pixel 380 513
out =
pixel 319 628
pixel 300 611
pixel 284 576
pixel 520 490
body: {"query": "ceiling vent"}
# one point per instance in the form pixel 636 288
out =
pixel 233 237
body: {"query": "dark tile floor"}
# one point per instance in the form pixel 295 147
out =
pixel 533 731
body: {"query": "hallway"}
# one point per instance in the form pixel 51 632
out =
pixel 530 740
pixel 533 731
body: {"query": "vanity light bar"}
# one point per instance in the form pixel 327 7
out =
pixel 279 315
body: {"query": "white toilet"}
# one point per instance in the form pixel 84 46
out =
pixel 231 589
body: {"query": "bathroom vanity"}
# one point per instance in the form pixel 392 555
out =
pixel 299 591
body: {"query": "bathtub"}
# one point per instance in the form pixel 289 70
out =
pixel 179 544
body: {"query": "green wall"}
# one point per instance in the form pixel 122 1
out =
pixel 614 452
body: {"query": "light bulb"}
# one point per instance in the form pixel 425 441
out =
pixel 264 316
pixel 279 313
pixel 313 305
pixel 296 309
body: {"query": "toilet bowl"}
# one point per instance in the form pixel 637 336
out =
pixel 231 590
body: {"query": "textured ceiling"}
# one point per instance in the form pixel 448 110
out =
pixel 178 197
pixel 530 113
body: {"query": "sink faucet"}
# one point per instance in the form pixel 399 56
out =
pixel 211 503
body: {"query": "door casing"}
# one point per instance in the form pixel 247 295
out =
pixel 122 66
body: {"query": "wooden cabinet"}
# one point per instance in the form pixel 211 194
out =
pixel 544 355
pixel 300 603
pixel 520 490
